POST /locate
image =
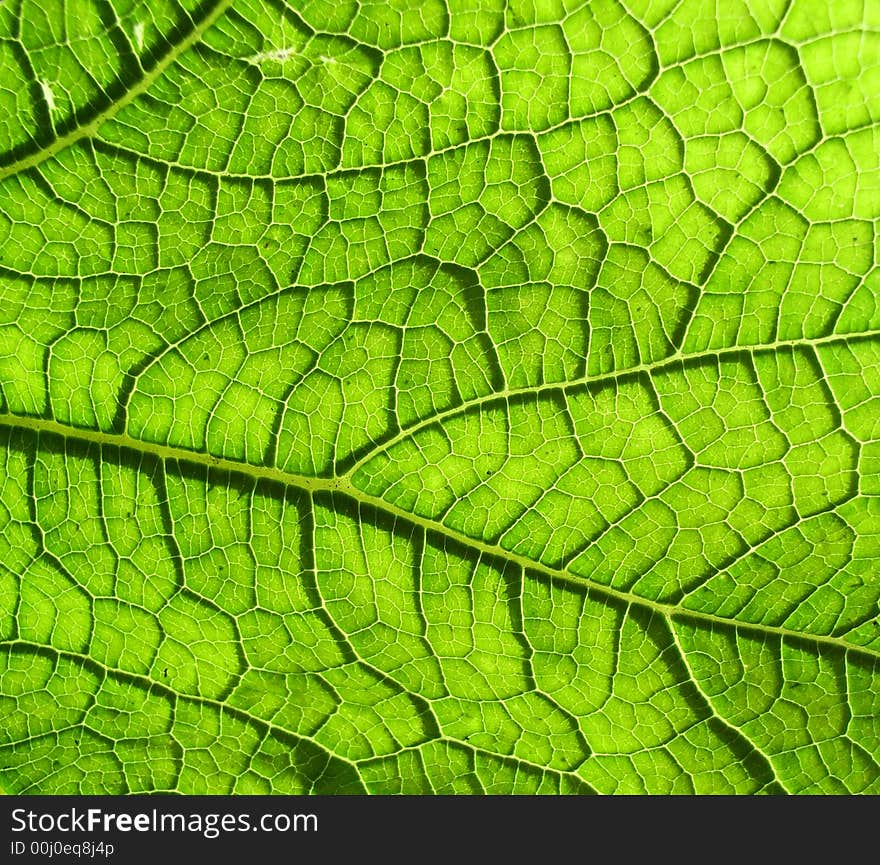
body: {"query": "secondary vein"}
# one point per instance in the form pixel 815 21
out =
pixel 137 88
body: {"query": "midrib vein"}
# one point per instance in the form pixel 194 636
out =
pixel 138 87
pixel 345 488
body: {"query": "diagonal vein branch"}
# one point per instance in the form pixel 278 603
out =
pixel 345 488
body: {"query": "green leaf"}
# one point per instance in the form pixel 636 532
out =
pixel 483 397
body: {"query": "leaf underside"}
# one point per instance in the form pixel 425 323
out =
pixel 468 397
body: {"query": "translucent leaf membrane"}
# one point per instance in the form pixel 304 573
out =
pixel 480 398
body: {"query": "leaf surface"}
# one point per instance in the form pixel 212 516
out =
pixel 477 398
